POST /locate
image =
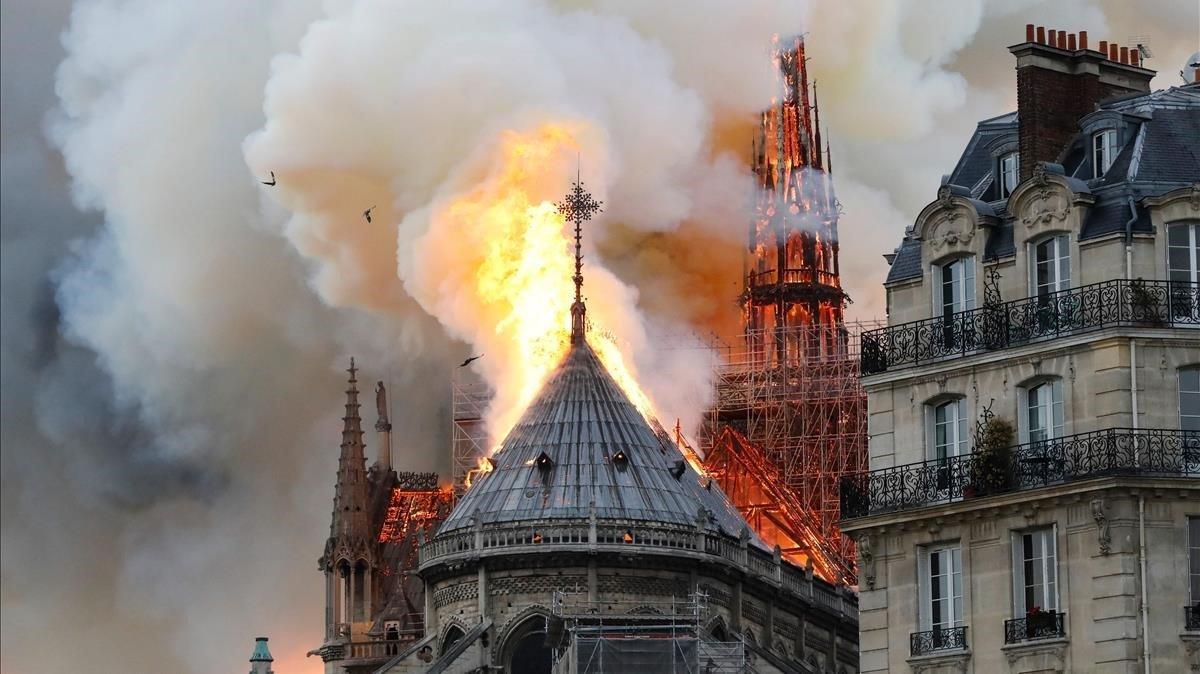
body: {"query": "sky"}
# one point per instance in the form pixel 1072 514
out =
pixel 173 335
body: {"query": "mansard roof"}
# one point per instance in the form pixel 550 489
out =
pixel 583 447
pixel 1159 153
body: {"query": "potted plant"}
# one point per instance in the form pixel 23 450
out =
pixel 1038 623
pixel 1143 305
pixel 992 463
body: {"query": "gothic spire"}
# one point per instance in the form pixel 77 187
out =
pixel 578 207
pixel 817 127
pixel 350 500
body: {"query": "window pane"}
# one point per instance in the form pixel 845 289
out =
pixel 1178 236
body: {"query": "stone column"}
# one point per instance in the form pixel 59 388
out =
pixel 593 582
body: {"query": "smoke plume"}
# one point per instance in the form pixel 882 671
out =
pixel 174 341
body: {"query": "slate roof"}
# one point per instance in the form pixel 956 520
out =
pixel 581 420
pixel 1162 154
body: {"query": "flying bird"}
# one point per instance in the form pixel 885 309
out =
pixel 272 183
pixel 469 360
pixel 367 213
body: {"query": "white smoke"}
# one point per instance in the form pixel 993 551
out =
pixel 171 501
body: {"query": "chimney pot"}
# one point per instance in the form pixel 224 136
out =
pixel 1134 57
pixel 1114 51
pixel 1029 32
pixel 1041 35
pixel 1052 37
pixel 1104 48
pixel 1062 39
pixel 1071 41
pixel 1083 39
pixel 1125 55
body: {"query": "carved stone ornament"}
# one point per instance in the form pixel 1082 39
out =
pixel 1195 196
pixel 1039 175
pixel 866 558
pixel 951 229
pixel 1047 205
pixel 944 196
pixel 1104 537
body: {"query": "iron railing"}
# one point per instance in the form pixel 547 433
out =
pixel 1191 617
pixel 1115 451
pixel 1118 302
pixel 1040 625
pixel 940 639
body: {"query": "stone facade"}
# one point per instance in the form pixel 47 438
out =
pixel 941 545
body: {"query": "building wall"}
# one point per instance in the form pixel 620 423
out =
pixel 796 632
pixel 1099 591
pixel 1098 561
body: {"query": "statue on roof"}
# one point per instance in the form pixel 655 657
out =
pixel 381 402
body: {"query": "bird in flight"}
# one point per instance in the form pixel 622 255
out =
pixel 469 360
pixel 367 213
pixel 272 183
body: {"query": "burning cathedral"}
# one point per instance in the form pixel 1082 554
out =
pixel 596 542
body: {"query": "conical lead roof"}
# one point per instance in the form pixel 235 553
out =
pixel 582 444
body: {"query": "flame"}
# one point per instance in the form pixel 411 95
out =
pixel 521 283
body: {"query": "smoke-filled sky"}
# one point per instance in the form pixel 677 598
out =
pixel 174 333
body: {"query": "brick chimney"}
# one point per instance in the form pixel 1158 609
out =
pixel 1059 80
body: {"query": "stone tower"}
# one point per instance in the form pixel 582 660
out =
pixel 350 561
pixel 260 659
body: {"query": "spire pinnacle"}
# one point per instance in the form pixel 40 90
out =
pixel 578 207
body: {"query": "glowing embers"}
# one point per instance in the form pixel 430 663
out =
pixel 410 511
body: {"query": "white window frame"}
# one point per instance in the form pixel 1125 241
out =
pixel 1192 272
pixel 1050 410
pixel 1046 565
pixel 1009 167
pixel 951 555
pixel 962 282
pixel 1059 264
pixel 957 433
pixel 1104 151
pixel 1189 417
pixel 1193 557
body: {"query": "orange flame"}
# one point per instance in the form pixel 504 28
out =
pixel 522 272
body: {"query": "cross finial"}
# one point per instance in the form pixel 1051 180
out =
pixel 578 207
pixel 353 371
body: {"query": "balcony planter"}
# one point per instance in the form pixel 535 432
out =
pixel 1145 303
pixel 991 464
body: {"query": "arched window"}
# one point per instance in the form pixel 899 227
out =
pixel 1042 411
pixel 954 286
pixel 525 648
pixel 1050 268
pixel 452 636
pixel 947 428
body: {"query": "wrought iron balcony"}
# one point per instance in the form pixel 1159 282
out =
pixel 1040 625
pixel 1191 617
pixel 1116 451
pixel 941 639
pixel 1119 302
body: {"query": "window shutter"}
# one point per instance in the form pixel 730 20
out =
pixel 1018 575
pixel 1052 567
pixel 923 582
pixel 1056 411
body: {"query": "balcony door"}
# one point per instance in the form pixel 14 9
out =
pixel 1035 571
pixel 947 438
pixel 954 294
pixel 1183 270
pixel 941 588
pixel 1050 272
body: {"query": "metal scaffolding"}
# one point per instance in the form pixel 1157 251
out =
pixel 469 438
pixel 643 635
pixel 799 426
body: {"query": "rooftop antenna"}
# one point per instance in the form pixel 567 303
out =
pixel 578 207
pixel 1142 45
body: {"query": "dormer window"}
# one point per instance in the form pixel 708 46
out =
pixel 1104 151
pixel 1009 173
